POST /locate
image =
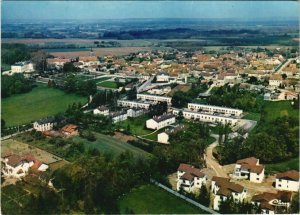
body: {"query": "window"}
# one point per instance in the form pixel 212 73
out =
pixel 257 179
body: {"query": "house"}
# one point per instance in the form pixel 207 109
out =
pixel 222 189
pixel 133 104
pixel 153 98
pixel 190 178
pixel 162 77
pixel 275 80
pixel 17 166
pixel 165 136
pixel 215 109
pixel 119 116
pixel 250 169
pixel 88 60
pixel 58 62
pixel 288 181
pixel 44 124
pixel 204 117
pixel 135 112
pixel 22 67
pixel 101 110
pixel 69 130
pixel 268 202
pixel 160 121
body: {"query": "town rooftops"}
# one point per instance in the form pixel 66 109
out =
pixel 163 73
pixel 214 106
pixel 163 117
pixel 289 175
pixel 14 160
pixel 190 172
pixel 88 58
pixel 47 120
pixel 116 114
pixel 251 164
pixel 227 187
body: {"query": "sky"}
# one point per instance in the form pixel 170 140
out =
pixel 247 10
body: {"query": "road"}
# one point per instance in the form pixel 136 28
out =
pixel 284 65
pixel 211 162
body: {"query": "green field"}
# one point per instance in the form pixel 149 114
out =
pixel 279 109
pixel 108 84
pixel 252 116
pixel 103 79
pixel 292 164
pixel 40 102
pixel 105 143
pixel 137 125
pixel 149 199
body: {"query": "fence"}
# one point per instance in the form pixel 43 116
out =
pixel 184 197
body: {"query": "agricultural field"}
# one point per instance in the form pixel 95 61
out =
pixel 109 144
pixel 40 102
pixel 149 199
pixel 292 164
pixel 279 109
pixel 17 147
pixel 108 84
pixel 101 52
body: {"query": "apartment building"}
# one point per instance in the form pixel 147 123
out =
pixel 133 104
pixel 215 109
pixel 160 121
pixel 154 99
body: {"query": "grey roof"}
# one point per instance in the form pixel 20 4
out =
pixel 116 114
pixel 174 129
pixel 163 117
pixel 102 108
pixel 50 119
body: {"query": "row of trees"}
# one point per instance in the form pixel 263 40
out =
pixel 14 84
pixel 74 84
pixel 234 97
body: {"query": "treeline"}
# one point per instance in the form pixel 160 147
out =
pixel 92 184
pixel 235 98
pixel 12 53
pixel 187 146
pixel 15 84
pixel 74 84
pixel 271 142
pixel 104 97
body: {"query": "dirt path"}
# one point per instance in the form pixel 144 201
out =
pixel 211 162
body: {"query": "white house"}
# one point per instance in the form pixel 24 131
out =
pixel 133 104
pixel 154 99
pixel 135 112
pixel 119 116
pixel 288 181
pixel 16 166
pixel 89 60
pixel 268 202
pixel 250 169
pixel 204 117
pixel 190 178
pixel 101 110
pixel 22 67
pixel 162 77
pixel 160 121
pixel 44 124
pixel 215 109
pixel 222 189
pixel 275 80
pixel 164 137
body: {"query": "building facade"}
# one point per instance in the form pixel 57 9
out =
pixel 160 121
pixel 154 99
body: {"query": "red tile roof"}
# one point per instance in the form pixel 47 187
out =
pixel 289 175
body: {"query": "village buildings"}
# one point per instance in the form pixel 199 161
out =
pixel 161 121
pixel 288 181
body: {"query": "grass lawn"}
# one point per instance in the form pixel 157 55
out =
pixel 252 116
pixel 149 199
pixel 109 144
pixel 292 164
pixel 103 79
pixel 108 84
pixel 137 125
pixel 40 102
pixel 279 109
